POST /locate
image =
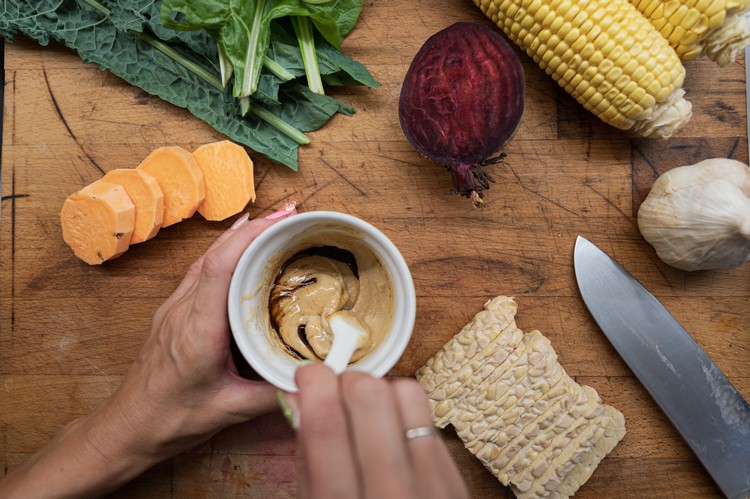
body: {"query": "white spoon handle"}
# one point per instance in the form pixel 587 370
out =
pixel 341 352
pixel 347 334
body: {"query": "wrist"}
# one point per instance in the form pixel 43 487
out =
pixel 139 424
pixel 117 440
pixel 133 431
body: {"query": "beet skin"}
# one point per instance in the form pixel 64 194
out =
pixel 461 101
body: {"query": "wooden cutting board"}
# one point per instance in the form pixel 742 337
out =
pixel 68 331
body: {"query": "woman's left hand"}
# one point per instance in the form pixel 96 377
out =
pixel 182 389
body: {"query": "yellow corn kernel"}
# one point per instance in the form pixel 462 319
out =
pixel 604 53
pixel 718 29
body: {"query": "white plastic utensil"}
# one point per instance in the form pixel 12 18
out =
pixel 348 335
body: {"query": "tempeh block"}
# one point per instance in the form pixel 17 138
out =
pixel 515 408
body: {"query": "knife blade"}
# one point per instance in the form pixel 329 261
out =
pixel 702 404
pixel 747 94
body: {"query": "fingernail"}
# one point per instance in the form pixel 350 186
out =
pixel 304 362
pixel 288 409
pixel 244 218
pixel 284 211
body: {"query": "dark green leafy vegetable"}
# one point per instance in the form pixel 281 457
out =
pixel 242 29
pixel 304 30
pixel 335 67
pixel 128 39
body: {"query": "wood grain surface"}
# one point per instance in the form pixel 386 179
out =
pixel 69 331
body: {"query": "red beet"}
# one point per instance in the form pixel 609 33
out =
pixel 461 101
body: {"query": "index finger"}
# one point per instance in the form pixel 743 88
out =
pixel 195 269
pixel 324 437
pixel 218 264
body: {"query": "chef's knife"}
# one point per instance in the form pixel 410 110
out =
pixel 700 401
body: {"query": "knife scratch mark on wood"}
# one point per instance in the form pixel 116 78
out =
pixel 67 127
pixel 121 122
pixel 320 157
pixel 664 275
pixel 13 247
pixel 733 149
pixel 94 366
pixel 316 191
pixel 397 160
pixel 14 196
pixel 13 119
pixel 734 344
pixel 725 112
pixel 647 159
pixel 91 111
pixel 609 202
pixel 262 177
pixel 524 187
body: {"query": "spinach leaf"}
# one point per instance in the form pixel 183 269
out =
pixel 344 12
pixel 336 68
pixel 241 28
pixel 312 109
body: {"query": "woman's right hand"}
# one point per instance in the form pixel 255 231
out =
pixel 353 441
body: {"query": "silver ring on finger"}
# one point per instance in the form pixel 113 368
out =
pixel 420 431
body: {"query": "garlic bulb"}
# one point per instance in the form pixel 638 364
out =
pixel 698 216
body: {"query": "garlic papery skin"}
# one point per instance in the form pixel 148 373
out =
pixel 697 217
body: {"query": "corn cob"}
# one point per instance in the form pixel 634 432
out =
pixel 717 28
pixel 605 54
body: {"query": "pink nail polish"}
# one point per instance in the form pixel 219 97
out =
pixel 284 211
pixel 244 218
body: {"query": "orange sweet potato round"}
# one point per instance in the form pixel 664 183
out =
pixel 228 177
pixel 180 179
pixel 148 198
pixel 97 222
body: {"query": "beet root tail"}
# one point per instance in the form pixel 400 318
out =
pixel 470 181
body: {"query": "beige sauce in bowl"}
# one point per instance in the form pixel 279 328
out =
pixel 321 280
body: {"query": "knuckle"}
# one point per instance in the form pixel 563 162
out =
pixel 195 267
pixel 213 264
pixel 168 313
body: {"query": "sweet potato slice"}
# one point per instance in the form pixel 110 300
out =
pixel 97 222
pixel 228 175
pixel 181 181
pixel 148 198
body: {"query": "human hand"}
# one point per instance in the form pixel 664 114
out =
pixel 184 386
pixel 352 439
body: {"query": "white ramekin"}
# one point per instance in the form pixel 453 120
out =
pixel 252 279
